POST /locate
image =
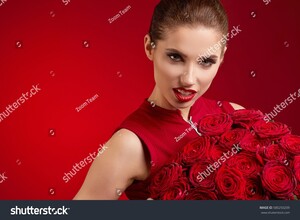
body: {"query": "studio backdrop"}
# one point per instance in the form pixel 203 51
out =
pixel 72 70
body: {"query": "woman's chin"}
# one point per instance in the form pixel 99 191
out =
pixel 182 105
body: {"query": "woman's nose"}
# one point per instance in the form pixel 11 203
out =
pixel 188 78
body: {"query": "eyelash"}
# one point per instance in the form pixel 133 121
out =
pixel 177 59
pixel 207 62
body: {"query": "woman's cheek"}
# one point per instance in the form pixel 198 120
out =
pixel 169 71
pixel 206 77
pixel 164 76
pixel 204 81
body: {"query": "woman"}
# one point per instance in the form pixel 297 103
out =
pixel 181 33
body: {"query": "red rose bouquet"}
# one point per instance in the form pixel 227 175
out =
pixel 238 157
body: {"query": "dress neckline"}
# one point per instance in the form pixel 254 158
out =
pixel 174 114
pixel 159 111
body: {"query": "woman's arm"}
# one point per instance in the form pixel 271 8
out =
pixel 115 169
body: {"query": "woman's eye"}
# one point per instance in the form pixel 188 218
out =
pixel 175 57
pixel 207 62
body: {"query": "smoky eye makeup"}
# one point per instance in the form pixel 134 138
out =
pixel 207 61
pixel 175 57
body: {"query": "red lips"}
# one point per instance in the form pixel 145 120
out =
pixel 184 95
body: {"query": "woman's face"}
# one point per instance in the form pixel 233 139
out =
pixel 185 64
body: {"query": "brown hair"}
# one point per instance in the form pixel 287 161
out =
pixel 169 14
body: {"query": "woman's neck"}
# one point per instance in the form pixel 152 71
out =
pixel 158 99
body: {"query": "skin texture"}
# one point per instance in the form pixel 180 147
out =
pixel 176 64
pixel 182 68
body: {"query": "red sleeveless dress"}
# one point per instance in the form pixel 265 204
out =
pixel 162 132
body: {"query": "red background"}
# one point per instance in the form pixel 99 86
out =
pixel 112 64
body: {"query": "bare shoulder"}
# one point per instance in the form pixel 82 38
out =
pixel 126 140
pixel 236 106
pixel 128 150
pixel 120 163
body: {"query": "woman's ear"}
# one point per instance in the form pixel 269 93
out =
pixel 148 47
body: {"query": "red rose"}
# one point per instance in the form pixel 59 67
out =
pixel 200 175
pixel 232 137
pixel 245 163
pixel 296 167
pixel 195 150
pixel 278 180
pixel 297 174
pixel 297 192
pixel 177 191
pixel 230 183
pixel 215 152
pixel 251 143
pixel 177 158
pixel 296 162
pixel 164 179
pixel 246 118
pixel 264 165
pixel 271 130
pixel 201 194
pixel 271 152
pixel 215 124
pixel 291 143
pixel 254 190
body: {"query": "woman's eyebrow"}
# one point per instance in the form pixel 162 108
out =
pixel 203 58
pixel 213 56
pixel 172 50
